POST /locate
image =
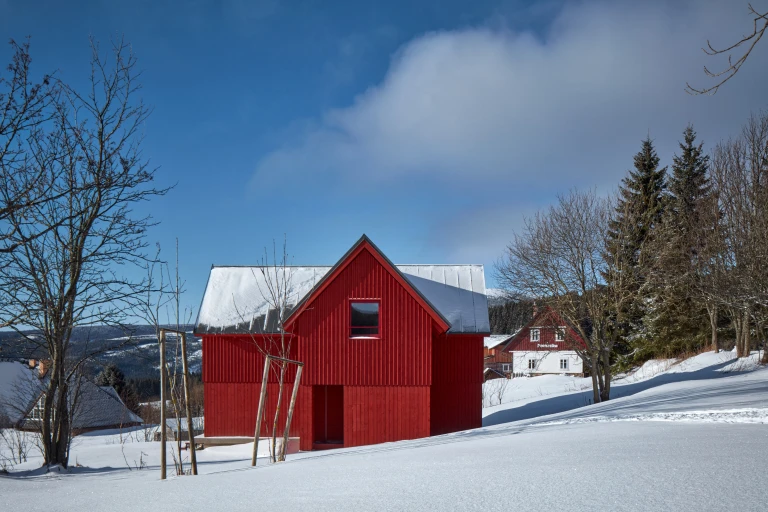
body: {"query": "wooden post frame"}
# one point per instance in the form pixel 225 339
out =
pixel 190 424
pixel 263 398
pixel 162 405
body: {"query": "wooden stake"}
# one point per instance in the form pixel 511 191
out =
pixel 162 405
pixel 290 412
pixel 190 426
pixel 260 413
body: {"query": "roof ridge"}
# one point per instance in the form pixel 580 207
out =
pixel 322 266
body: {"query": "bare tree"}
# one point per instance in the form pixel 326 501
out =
pixel 749 41
pixel 559 258
pixel 72 272
pixel 740 178
pixel 24 107
pixel 278 285
pixel 276 289
pixel 159 306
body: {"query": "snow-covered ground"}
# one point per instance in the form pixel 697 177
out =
pixel 684 437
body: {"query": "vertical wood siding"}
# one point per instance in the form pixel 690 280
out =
pixel 230 410
pixel 401 355
pixel 378 414
pixel 456 391
pixel 236 358
pixel 406 384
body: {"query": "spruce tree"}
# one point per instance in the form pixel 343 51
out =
pixel 112 376
pixel 637 217
pixel 677 320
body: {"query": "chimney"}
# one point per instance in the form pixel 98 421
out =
pixel 535 309
pixel 42 368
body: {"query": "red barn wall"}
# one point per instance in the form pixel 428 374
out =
pixel 391 391
pixel 230 409
pixel 380 414
pixel 456 391
pixel 401 355
pixel 236 358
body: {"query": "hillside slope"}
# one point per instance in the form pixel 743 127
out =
pixel 616 456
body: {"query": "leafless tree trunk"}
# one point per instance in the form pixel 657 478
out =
pixel 712 313
pixel 276 290
pixel 73 249
pixel 740 179
pixel 278 279
pixel 559 258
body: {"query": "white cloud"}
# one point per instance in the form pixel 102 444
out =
pixel 503 105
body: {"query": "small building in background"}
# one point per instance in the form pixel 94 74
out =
pixel 92 407
pixel 544 346
pixel 497 364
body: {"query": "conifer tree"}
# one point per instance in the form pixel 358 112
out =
pixel 676 318
pixel 638 214
pixel 112 376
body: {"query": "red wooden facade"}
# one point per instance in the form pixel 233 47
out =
pixel 547 323
pixel 414 379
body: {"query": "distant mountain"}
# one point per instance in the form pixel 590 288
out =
pixel 134 349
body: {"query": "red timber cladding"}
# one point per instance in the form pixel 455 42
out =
pixel 456 393
pixel 492 355
pixel 380 414
pixel 236 358
pixel 522 342
pixel 401 356
pixel 232 370
pixel 230 410
pixel 547 322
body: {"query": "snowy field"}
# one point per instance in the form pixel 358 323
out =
pixel 687 436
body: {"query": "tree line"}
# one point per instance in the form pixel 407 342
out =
pixel 672 262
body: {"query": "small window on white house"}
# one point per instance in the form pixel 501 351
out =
pixel 563 364
pixel 531 364
pixel 505 367
pixel 560 334
pixel 37 411
pixel 535 335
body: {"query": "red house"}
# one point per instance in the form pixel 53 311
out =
pixel 390 352
pixel 545 345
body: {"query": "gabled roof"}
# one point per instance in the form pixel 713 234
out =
pixel 101 406
pixel 96 406
pixel 494 340
pixel 547 318
pixel 363 244
pixel 19 390
pixel 234 297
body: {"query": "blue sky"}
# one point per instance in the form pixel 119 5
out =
pixel 433 127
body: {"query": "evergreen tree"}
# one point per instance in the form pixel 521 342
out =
pixel 638 214
pixel 113 377
pixel 510 316
pixel 677 321
pixel 689 185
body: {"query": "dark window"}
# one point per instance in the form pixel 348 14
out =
pixel 364 319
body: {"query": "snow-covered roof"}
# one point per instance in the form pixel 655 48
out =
pixel 95 406
pixel 495 340
pixel 234 297
pixel 100 406
pixel 19 388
